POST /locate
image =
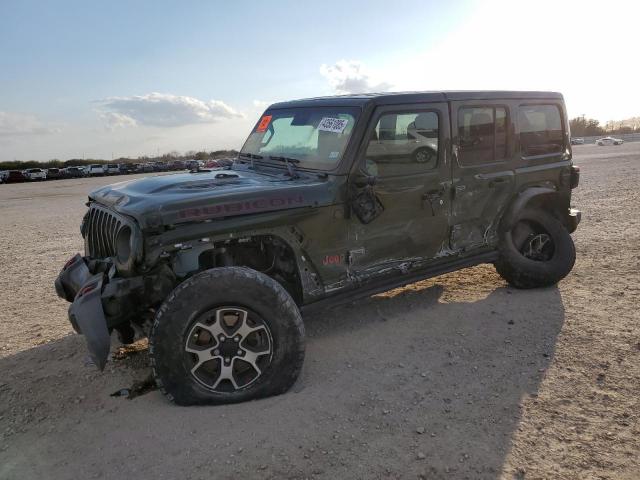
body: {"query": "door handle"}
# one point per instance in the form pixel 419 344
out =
pixel 497 181
pixel 432 193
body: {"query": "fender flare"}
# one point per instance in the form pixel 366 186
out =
pixel 310 282
pixel 519 203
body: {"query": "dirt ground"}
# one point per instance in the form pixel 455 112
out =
pixel 456 377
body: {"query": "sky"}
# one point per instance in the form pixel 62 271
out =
pixel 130 78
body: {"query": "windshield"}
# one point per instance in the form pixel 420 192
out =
pixel 314 136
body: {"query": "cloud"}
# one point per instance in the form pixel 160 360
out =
pixel 350 76
pixel 19 124
pixel 115 120
pixel 162 110
pixel 261 104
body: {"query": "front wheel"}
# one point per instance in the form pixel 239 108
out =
pixel 536 252
pixel 226 335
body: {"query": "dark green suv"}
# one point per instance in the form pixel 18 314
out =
pixel 329 199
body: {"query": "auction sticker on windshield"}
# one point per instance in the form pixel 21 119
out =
pixel 264 123
pixel 335 125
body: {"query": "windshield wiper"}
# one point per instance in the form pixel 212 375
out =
pixel 284 159
pixel 252 156
pixel 289 162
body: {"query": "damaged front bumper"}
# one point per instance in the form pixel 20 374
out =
pixel 101 300
pixel 78 285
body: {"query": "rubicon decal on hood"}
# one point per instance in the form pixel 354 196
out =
pixel 242 207
pixel 182 198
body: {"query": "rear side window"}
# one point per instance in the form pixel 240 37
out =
pixel 482 133
pixel 540 129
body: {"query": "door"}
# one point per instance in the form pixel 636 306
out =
pixel 483 175
pixel 399 190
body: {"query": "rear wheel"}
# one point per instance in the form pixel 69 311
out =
pixel 226 335
pixel 536 252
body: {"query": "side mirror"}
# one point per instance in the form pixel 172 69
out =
pixel 363 200
pixel 368 181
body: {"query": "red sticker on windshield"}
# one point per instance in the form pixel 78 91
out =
pixel 264 123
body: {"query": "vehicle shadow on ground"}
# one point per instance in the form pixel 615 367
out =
pixel 451 375
pixel 427 380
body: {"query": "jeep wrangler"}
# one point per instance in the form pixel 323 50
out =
pixel 329 199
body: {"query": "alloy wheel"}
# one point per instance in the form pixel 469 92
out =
pixel 533 241
pixel 228 348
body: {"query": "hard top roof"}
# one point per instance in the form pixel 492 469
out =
pixel 391 98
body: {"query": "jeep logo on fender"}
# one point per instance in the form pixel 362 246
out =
pixel 243 207
pixel 333 260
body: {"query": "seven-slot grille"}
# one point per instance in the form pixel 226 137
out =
pixel 99 229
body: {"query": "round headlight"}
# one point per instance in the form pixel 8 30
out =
pixel 123 245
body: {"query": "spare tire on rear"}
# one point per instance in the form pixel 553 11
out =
pixel 226 335
pixel 537 251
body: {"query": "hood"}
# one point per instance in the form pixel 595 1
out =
pixel 198 196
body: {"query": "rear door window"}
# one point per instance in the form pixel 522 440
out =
pixel 540 130
pixel 482 133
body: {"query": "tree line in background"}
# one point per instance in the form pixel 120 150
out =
pixel 580 127
pixel 590 127
pixel 167 157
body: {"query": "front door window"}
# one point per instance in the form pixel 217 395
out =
pixel 403 144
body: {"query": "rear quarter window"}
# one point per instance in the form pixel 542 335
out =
pixel 540 130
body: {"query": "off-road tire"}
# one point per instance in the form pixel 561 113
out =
pixel 522 272
pixel 238 286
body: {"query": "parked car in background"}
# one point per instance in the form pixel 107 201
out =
pixel 35 174
pixel 95 170
pixel 177 165
pixel 160 167
pixel 609 141
pixel 577 141
pixel 15 176
pixel 54 173
pixel 127 168
pixel 192 164
pixel 75 172
pixel 218 163
pixel 112 169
